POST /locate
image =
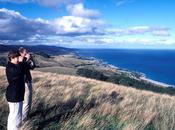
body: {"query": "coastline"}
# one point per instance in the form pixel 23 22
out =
pixel 142 76
pixel 155 82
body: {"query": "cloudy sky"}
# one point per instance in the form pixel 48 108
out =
pixel 89 23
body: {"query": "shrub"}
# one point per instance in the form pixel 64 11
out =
pixel 89 73
pixel 125 80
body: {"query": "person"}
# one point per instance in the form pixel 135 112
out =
pixel 27 59
pixel 15 90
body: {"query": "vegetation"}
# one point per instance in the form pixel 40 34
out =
pixel 91 73
pixel 3 61
pixel 43 54
pixel 124 79
pixel 66 102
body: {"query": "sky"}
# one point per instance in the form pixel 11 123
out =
pixel 89 23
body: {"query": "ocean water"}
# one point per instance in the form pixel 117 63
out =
pixel 158 65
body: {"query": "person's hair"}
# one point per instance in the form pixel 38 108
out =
pixel 13 54
pixel 21 49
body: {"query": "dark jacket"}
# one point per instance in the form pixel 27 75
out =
pixel 15 77
pixel 30 66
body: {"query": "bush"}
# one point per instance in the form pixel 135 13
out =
pixel 125 80
pixel 139 84
pixel 3 61
pixel 89 73
pixel 43 54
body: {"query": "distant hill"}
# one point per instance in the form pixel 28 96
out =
pixel 66 61
pixel 52 50
pixel 64 102
pixel 43 53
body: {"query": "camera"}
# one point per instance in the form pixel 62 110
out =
pixel 31 55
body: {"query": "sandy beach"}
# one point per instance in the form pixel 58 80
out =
pixel 155 82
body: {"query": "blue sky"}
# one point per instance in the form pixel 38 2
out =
pixel 89 23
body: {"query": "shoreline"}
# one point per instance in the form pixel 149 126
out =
pixel 162 84
pixel 142 76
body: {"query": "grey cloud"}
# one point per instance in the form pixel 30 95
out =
pixel 14 26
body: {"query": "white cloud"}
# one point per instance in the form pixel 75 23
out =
pixel 77 29
pixel 122 2
pixel 161 33
pixel 155 30
pixel 168 41
pixel 17 27
pixel 125 41
pixel 74 24
pixel 55 3
pixel 80 11
pixel 144 41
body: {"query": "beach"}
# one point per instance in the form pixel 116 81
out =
pixel 155 82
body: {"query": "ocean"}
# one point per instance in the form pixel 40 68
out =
pixel 157 65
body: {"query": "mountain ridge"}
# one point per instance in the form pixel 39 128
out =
pixel 52 50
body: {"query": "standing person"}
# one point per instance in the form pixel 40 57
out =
pixel 15 90
pixel 27 59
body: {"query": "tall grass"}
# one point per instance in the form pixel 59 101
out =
pixel 75 103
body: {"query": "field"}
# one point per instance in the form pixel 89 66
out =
pixel 68 102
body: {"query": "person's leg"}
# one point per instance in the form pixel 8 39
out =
pixel 15 116
pixel 27 100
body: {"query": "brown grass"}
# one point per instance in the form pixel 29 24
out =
pixel 72 102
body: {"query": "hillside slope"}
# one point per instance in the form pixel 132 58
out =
pixel 75 103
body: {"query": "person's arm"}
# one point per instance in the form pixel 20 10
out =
pixel 26 65
pixel 30 62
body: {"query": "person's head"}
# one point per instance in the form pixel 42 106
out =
pixel 13 57
pixel 23 51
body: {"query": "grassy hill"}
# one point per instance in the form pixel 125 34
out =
pixel 76 103
pixel 56 59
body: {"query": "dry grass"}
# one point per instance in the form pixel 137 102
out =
pixel 59 70
pixel 71 102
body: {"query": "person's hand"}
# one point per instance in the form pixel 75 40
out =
pixel 20 58
pixel 28 56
